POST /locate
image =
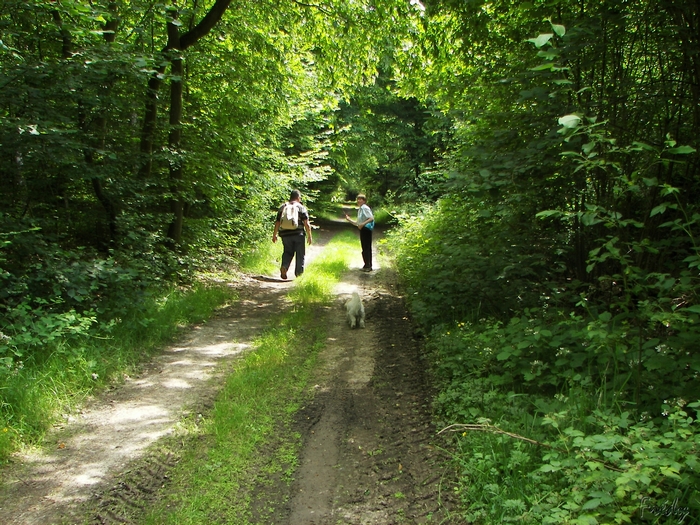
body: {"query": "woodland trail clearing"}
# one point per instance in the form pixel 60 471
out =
pixel 368 453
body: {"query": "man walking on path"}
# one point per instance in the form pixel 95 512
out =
pixel 364 223
pixel 292 225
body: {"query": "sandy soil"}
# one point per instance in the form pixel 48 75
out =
pixel 369 453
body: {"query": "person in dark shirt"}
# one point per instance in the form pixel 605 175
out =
pixel 292 235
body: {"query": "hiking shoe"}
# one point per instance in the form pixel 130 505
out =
pixel 365 269
pixel 283 272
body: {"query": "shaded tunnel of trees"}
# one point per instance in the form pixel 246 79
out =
pixel 537 160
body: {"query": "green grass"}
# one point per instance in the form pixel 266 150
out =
pixel 56 378
pixel 254 410
pixel 36 390
pixel 316 285
pixel 265 388
pixel 263 258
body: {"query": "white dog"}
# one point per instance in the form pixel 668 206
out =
pixel 356 311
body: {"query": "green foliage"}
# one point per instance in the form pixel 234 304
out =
pixel 625 473
pixel 56 360
pixel 388 145
pixel 626 470
pixel 459 264
pixel 557 278
pixel 590 455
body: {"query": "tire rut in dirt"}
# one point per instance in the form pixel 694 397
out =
pixel 137 486
pixel 398 469
pixel 370 453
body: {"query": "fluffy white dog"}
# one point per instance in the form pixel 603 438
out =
pixel 356 311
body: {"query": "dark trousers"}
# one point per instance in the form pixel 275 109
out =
pixel 294 248
pixel 366 243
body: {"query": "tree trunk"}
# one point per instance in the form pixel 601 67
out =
pixel 110 28
pixel 177 205
pixel 180 43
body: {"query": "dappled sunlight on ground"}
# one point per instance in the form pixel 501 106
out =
pixel 118 428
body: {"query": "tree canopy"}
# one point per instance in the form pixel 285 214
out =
pixel 540 159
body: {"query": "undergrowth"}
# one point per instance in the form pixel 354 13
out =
pixel 568 403
pixel 64 367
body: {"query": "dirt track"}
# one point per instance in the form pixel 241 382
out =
pixel 368 453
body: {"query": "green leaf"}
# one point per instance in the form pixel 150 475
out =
pixel 588 148
pixel 548 213
pixel 695 309
pixel 639 146
pixel 542 67
pixel 591 504
pixel 559 29
pixel 541 40
pixel 550 54
pixel 670 472
pixel 658 209
pixel 590 218
pixel 682 150
pixel 569 121
pixel 669 190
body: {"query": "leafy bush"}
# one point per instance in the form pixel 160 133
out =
pixel 575 456
pixel 584 394
pixel 27 330
pixel 458 263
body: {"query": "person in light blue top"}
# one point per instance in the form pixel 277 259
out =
pixel 364 223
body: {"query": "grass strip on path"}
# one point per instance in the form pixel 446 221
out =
pixel 209 484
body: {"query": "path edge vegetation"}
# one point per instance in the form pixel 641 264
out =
pixel 65 369
pixel 552 408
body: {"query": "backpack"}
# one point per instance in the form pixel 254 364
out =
pixel 289 220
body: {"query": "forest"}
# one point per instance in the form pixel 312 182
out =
pixel 536 164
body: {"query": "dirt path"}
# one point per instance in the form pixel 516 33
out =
pixel 367 456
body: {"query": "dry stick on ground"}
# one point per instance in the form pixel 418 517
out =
pixel 457 427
